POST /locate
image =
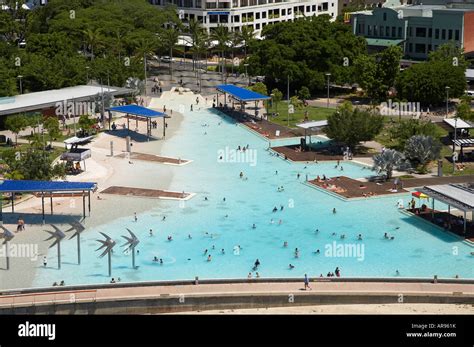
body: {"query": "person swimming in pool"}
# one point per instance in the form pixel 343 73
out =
pixel 317 251
pixel 359 237
pixel 254 226
pixel 285 244
pixel 275 209
pixel 297 253
pixel 209 258
pixel 334 210
pixel 291 266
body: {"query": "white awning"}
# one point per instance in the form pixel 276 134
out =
pixel 313 124
pixel 76 140
pixel 459 124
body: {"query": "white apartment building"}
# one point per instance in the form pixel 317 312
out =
pixel 255 13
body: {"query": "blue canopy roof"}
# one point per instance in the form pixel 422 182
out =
pixel 138 111
pixel 11 186
pixel 241 94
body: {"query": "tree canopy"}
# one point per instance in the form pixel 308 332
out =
pixel 305 50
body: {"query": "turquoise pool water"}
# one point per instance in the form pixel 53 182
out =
pixel 418 249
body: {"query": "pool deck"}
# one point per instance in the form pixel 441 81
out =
pixel 290 152
pixel 350 188
pixel 148 193
pixel 262 126
pixel 154 158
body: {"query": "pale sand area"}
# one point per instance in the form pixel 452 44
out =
pixel 106 171
pixel 415 309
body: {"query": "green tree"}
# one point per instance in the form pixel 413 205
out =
pixel 222 36
pixel 463 109
pixel 277 97
pixel 169 38
pixel 421 150
pixel 86 123
pixel 15 124
pixel 351 126
pixel 404 130
pixel 260 88
pixel 51 124
pixel 304 94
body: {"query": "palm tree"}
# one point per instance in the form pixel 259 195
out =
pixel 143 49
pixel 200 49
pixel 248 35
pixel 93 39
pixel 222 36
pixel 390 160
pixel 169 38
pixel 195 30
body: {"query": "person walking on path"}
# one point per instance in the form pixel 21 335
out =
pixel 306 282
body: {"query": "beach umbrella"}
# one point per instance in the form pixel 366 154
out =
pixel 108 244
pixel 78 228
pixel 7 237
pixel 131 243
pixel 57 235
pixel 419 195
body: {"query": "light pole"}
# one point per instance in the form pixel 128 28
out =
pixel 21 84
pixel 246 72
pixel 447 101
pixel 454 143
pixel 288 100
pixel 328 75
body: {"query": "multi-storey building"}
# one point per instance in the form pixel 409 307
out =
pixel 419 28
pixel 254 13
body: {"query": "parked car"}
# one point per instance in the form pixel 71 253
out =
pixel 166 59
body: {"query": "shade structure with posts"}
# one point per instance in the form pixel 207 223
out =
pixel 242 95
pixel 141 113
pixel 47 188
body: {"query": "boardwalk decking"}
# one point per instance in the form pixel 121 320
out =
pixel 154 158
pixel 148 193
pixel 262 126
pixel 351 188
pixel 320 154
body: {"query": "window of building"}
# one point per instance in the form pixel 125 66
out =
pixel 420 48
pixel 456 35
pixel 420 32
pixel 257 15
pixel 443 34
pixel 236 19
pixel 308 8
pixel 264 14
pixel 409 31
pixel 313 8
pixel 410 47
pixel 369 30
pixel 257 26
pixel 430 32
pixel 437 34
pixel 325 6
pixel 283 12
pixel 384 16
pixel 400 32
pixel 394 31
pixel 381 30
pixel 450 34
pixel 376 32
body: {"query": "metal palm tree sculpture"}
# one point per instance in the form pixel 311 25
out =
pixel 7 237
pixel 108 244
pixel 57 235
pixel 131 243
pixel 78 228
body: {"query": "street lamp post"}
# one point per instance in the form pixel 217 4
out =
pixel 447 101
pixel 21 84
pixel 454 143
pixel 288 100
pixel 329 75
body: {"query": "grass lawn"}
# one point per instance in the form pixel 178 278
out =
pixel 314 113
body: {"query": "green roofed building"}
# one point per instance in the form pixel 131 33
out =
pixel 419 27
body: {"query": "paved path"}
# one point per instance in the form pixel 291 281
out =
pixel 295 288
